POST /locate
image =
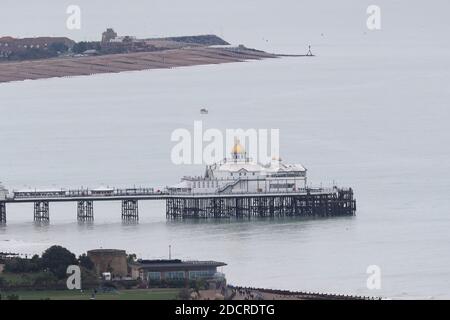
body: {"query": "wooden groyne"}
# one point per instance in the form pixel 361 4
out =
pixel 249 293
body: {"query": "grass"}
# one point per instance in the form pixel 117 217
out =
pixel 138 294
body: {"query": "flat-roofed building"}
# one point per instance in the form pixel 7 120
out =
pixel 175 269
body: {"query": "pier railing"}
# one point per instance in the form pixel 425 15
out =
pixel 148 192
pixel 287 192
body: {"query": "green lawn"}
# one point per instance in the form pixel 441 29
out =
pixel 138 294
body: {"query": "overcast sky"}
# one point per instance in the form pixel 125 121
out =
pixel 251 22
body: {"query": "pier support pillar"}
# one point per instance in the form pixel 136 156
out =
pixel 2 212
pixel 41 211
pixel 130 210
pixel 85 211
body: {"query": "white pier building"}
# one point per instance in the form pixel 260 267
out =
pixel 239 174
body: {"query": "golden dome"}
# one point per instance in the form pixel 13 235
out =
pixel 237 148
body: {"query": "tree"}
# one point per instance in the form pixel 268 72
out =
pixel 85 262
pixel 82 46
pixel 57 259
pixel 19 265
pixel 131 258
pixel 58 47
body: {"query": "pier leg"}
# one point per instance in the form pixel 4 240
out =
pixel 130 210
pixel 2 212
pixel 85 211
pixel 41 211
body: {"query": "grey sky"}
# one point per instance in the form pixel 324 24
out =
pixel 252 22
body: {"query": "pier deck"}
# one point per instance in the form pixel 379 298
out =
pixel 305 202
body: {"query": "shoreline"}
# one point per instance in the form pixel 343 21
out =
pixel 115 63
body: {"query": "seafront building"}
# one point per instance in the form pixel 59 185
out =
pixel 117 266
pixel 174 269
pixel 240 174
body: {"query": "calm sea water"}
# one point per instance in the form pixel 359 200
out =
pixel 363 116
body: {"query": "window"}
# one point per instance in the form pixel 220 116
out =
pixel 201 274
pixel 154 275
pixel 174 275
pixel 282 185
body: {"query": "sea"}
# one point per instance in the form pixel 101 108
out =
pixel 364 112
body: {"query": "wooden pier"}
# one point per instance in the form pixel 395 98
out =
pixel 301 203
pixel 325 204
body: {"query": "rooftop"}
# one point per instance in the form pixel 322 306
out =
pixel 108 251
pixel 177 263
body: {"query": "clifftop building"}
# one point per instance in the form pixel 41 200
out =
pixel 108 35
pixel 9 45
pixel 112 43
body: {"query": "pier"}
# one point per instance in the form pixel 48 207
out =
pixel 309 203
pixel 306 202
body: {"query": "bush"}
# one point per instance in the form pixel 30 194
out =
pixel 184 294
pixel 45 280
pixel 89 278
pixel 19 265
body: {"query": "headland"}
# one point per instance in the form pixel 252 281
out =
pixel 48 57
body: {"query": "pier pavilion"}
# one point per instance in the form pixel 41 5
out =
pixel 236 187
